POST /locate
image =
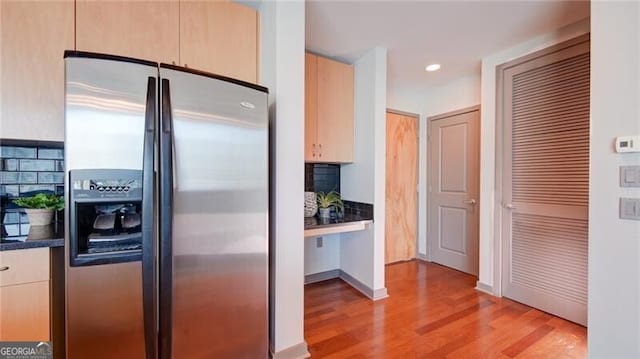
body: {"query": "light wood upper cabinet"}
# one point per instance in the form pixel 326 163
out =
pixel 34 37
pixel 213 36
pixel 24 295
pixel 311 108
pixel 147 30
pixel 219 37
pixel 333 119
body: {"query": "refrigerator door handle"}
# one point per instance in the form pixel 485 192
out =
pixel 148 243
pixel 166 224
pixel 166 107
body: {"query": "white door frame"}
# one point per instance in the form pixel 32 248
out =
pixel 417 117
pixel 498 208
pixel 429 164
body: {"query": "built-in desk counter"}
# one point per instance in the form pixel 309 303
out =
pixel 314 226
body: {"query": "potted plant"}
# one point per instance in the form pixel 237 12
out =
pixel 40 208
pixel 328 200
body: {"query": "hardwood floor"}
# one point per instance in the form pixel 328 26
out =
pixel 432 312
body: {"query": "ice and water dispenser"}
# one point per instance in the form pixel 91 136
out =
pixel 105 208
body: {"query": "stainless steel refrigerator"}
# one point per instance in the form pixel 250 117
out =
pixel 166 211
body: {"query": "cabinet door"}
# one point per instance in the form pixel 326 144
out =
pixel 335 111
pixel 147 30
pixel 24 309
pixel 310 108
pixel 34 37
pixel 219 37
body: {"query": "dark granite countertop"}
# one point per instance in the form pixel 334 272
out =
pixel 316 222
pixel 39 236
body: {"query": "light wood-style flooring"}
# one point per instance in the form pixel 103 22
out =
pixel 432 312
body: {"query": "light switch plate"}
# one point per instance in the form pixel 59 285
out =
pixel 629 176
pixel 630 208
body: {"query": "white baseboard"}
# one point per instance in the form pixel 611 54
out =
pixel 298 351
pixel 484 288
pixel 372 294
pixel 422 257
pixel 319 277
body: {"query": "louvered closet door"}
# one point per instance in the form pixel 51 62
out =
pixel 546 181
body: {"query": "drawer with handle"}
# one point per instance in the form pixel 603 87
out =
pixel 24 266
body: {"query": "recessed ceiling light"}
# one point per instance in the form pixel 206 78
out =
pixel 433 67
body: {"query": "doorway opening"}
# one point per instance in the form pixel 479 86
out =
pixel 453 189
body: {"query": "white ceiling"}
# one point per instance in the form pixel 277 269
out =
pixel 453 33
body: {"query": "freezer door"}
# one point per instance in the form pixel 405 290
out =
pixel 214 265
pixel 106 103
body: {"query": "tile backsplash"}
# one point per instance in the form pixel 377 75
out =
pixel 27 168
pixel 364 210
pixel 321 177
pixel 326 178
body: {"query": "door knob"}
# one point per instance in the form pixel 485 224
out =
pixel 509 206
pixel 470 201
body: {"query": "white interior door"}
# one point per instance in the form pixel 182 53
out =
pixel 546 180
pixel 454 186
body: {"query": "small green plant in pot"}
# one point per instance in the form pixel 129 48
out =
pixel 328 200
pixel 40 208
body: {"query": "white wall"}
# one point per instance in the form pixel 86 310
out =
pixel 614 244
pixel 411 101
pixel 455 95
pixel 488 258
pixel 362 253
pixel 325 258
pixel 282 29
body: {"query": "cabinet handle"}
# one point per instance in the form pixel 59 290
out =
pixel 173 62
pixel 320 147
pixel 5 268
pixel 313 149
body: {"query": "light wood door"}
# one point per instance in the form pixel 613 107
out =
pixel 546 179
pixel 401 205
pixel 454 145
pixel 24 312
pixel 35 35
pixel 220 37
pixel 335 111
pixel 147 30
pixel 310 107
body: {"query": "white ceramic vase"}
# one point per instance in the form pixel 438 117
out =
pixel 310 204
pixel 39 217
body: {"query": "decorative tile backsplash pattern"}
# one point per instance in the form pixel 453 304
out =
pixel 326 178
pixel 364 210
pixel 26 169
pixel 321 177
